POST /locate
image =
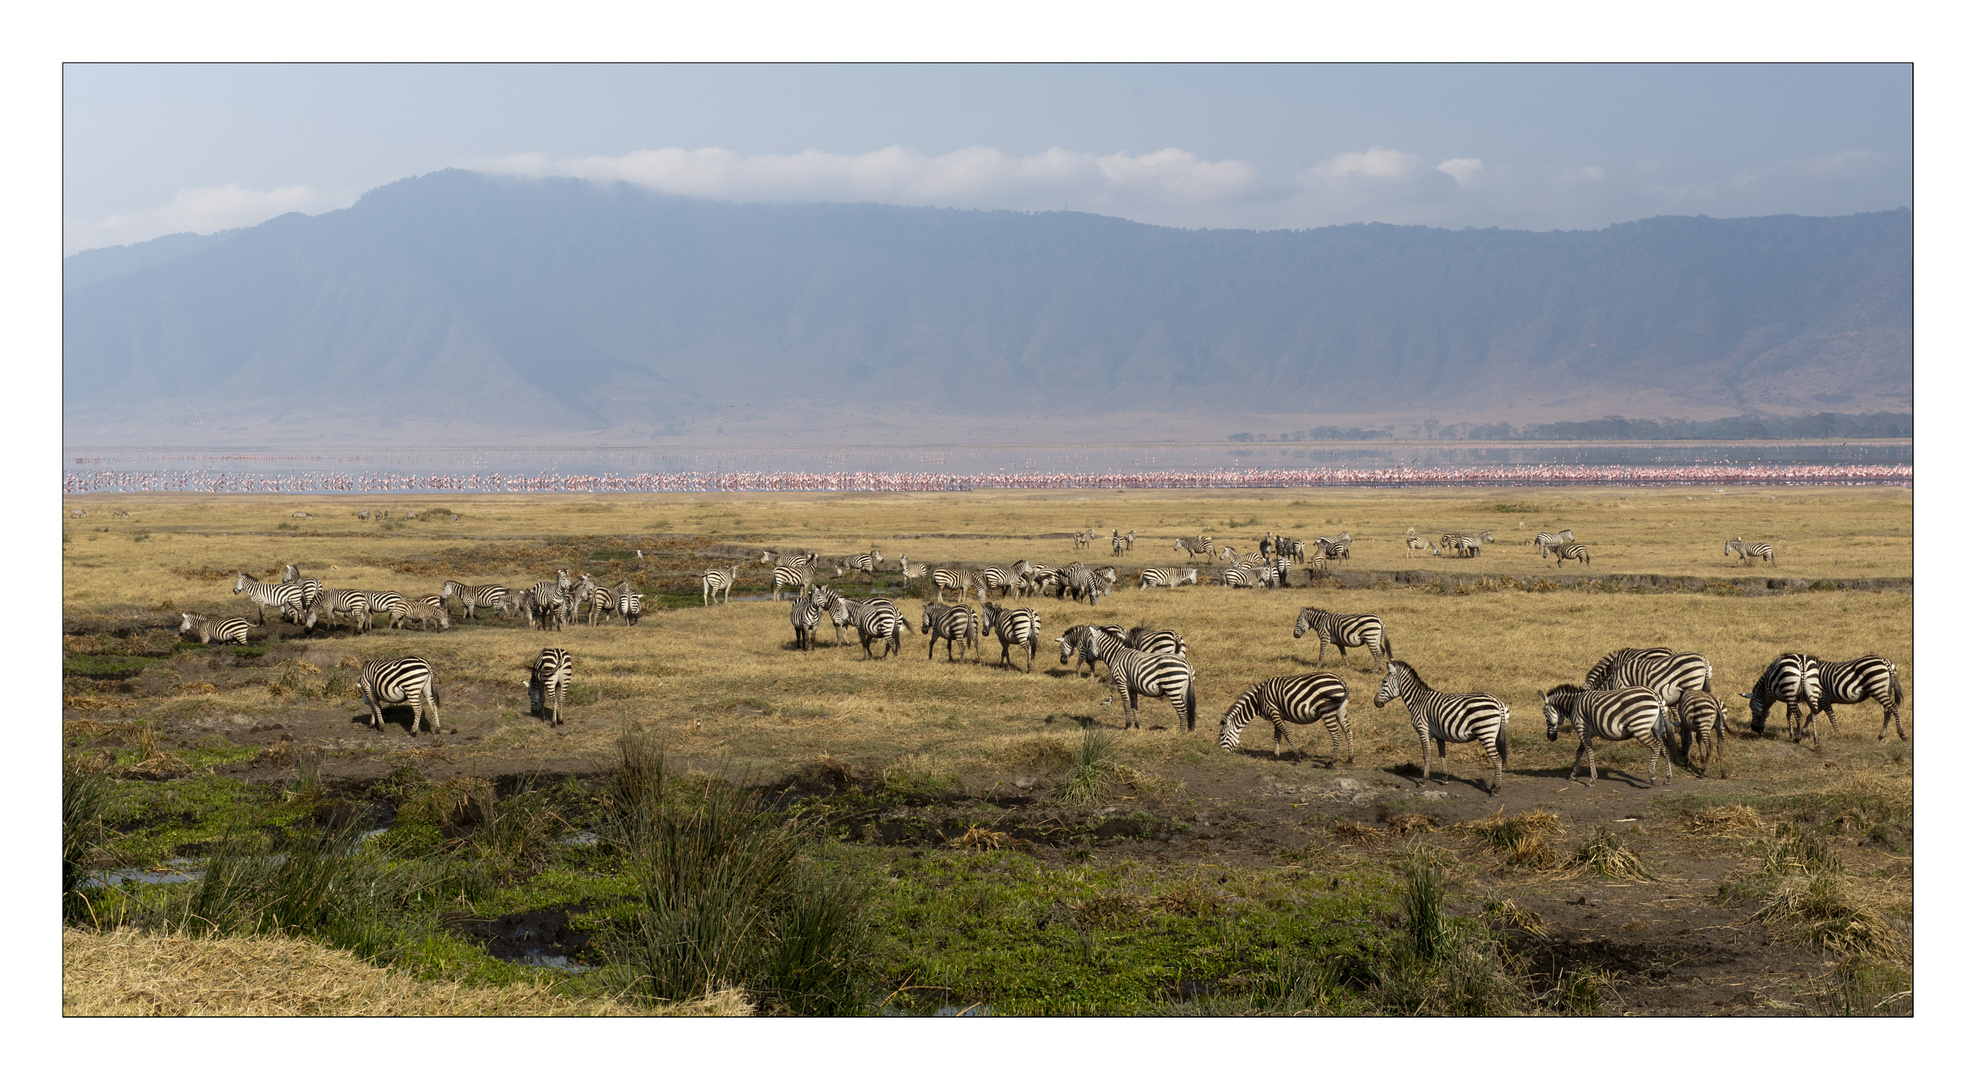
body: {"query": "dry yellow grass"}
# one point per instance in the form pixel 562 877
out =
pixel 128 973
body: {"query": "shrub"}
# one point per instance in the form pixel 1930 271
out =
pixel 85 796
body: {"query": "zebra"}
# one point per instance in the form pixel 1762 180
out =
pixel 1703 723
pixel 1082 539
pixel 1342 630
pixel 1039 576
pixel 1487 536
pixel 1793 679
pixel 1667 673
pixel 494 597
pixel 1240 577
pixel 953 623
pixel 548 684
pixel 225 629
pixel 1415 543
pixel 1574 551
pixel 405 681
pixel 629 604
pixel 333 602
pixel 391 603
pixel 960 581
pixel 547 602
pixel 1118 543
pixel 795 576
pixel 908 570
pixel 1200 546
pixel 1445 718
pixel 1461 544
pixel 283 597
pixel 719 582
pixel 1159 575
pixel 1134 673
pixel 1147 639
pixel 805 615
pixel 1295 548
pixel 1748 549
pixel 1084 584
pixel 868 562
pixel 427 612
pixel 1635 713
pixel 604 602
pixel 1266 547
pixel 1336 547
pixel 1854 681
pixel 1128 537
pixel 1014 627
pixel 877 619
pixel 1546 541
pixel 1292 699
pixel 995 577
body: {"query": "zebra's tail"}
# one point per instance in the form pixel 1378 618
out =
pixel 1190 704
pixel 1386 645
pixel 1894 676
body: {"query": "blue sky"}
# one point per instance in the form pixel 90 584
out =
pixel 155 149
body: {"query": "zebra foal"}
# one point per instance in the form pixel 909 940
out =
pixel 1292 699
pixel 1443 718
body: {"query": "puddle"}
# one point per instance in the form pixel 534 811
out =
pixel 174 871
pixel 537 938
pixel 584 837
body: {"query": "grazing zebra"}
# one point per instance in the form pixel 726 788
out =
pixel 1292 699
pixel 1854 681
pixel 405 681
pixel 285 597
pixel 1574 551
pixel 1667 673
pixel 805 615
pixel 1343 630
pixel 953 623
pixel 1445 718
pixel 877 619
pixel 548 684
pixel 1749 549
pixel 1159 575
pixel 868 562
pixel 427 613
pixel 1134 673
pixel 391 603
pixel 1704 725
pixel 719 582
pixel 1199 546
pixel 334 602
pixel 960 581
pixel 225 629
pixel 494 597
pixel 1083 584
pixel 1546 541
pixel 1415 543
pixel 796 577
pixel 1461 544
pixel 1635 713
pixel 1487 536
pixel 1793 679
pixel 1243 577
pixel 1019 628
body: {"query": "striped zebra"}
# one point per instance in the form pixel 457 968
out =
pixel 868 562
pixel 1118 543
pixel 334 602
pixel 1084 584
pixel 493 597
pixel 1855 681
pixel 805 615
pixel 1292 699
pixel 1749 549
pixel 718 581
pixel 1037 577
pixel 1134 673
pixel 546 603
pixel 603 602
pixel 1793 679
pixel 1147 639
pixel 224 629
pixel 285 597
pixel 796 577
pixel 1245 577
pixel 877 619
pixel 1019 628
pixel 1663 671
pixel 392 604
pixel 1574 551
pixel 908 570
pixel 1415 543
pixel 953 624
pixel 629 605
pixel 1545 542
pixel 1266 547
pixel 1203 545
pixel 1160 575
pixel 1128 538
pixel 1293 548
pixel 1335 547
pixel 1703 723
pixel 548 684
pixel 996 577
pixel 1082 539
pixel 1461 544
pixel 405 681
pixel 1367 631
pixel 1635 713
pixel 427 613
pixel 1445 718
pixel 961 581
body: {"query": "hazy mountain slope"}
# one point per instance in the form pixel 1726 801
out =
pixel 465 303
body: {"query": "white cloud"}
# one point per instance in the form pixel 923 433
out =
pixel 978 176
pixel 201 210
pixel 1378 163
pixel 1463 169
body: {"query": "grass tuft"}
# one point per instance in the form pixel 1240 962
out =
pixel 1607 856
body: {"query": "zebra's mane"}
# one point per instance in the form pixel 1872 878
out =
pixel 1570 689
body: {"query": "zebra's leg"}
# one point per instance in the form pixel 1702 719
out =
pixel 1426 762
pixel 1441 750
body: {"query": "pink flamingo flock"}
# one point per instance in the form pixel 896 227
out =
pixel 77 482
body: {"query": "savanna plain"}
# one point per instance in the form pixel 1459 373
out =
pixel 726 824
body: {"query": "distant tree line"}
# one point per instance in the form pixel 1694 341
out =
pixel 1880 425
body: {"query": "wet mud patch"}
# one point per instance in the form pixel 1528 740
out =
pixel 545 938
